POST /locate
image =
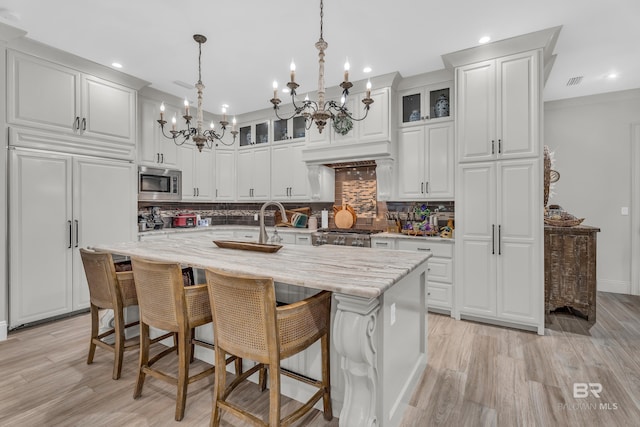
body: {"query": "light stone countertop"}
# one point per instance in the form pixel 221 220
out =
pixel 363 272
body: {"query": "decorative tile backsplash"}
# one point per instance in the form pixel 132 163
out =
pixel 355 186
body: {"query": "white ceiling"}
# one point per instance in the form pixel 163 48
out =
pixel 251 42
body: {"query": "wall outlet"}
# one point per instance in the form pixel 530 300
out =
pixel 392 314
pixel 255 217
pixel 624 211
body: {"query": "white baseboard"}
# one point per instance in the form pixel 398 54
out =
pixel 615 286
pixel 3 330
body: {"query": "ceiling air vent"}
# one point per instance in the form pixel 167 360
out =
pixel 573 81
pixel 183 84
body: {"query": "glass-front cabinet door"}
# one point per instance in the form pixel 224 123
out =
pixel 254 133
pixel 425 104
pixel 294 128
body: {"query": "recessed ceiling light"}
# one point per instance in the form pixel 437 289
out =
pixel 484 40
pixel 612 75
pixel 366 70
pixel 116 65
pixel 285 90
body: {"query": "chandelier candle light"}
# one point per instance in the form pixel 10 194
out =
pixel 201 137
pixel 321 111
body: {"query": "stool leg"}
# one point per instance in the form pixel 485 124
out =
pixel 94 334
pixel 144 358
pixel 118 318
pixel 326 377
pixel 274 394
pixel 193 346
pixel 238 365
pixel 219 385
pixel 184 350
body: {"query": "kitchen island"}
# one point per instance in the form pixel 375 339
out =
pixel 379 342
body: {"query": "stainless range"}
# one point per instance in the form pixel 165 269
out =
pixel 342 237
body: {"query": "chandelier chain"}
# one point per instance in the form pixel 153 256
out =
pixel 321 18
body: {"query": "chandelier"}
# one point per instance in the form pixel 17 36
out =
pixel 201 137
pixel 321 111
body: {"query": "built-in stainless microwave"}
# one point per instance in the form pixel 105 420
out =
pixel 158 184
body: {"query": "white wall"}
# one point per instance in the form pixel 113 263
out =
pixel 591 139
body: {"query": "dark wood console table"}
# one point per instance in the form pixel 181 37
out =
pixel 570 269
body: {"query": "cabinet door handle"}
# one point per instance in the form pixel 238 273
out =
pixel 493 146
pixel 76 123
pixel 77 232
pixel 70 234
pixel 426 187
pixel 422 188
pixel 499 240
pixel 84 123
pixel 499 146
pixel 216 192
pixel 424 249
pixel 162 157
pixel 493 240
pixel 157 157
pixel 198 190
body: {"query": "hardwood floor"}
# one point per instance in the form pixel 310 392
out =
pixel 478 375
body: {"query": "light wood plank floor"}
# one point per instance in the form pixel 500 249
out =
pixel 478 375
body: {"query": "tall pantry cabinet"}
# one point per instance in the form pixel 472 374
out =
pixel 499 239
pixel 72 178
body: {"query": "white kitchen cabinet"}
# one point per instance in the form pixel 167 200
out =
pixel 303 239
pixel 498 240
pixel 440 272
pixel 426 162
pixel 254 174
pixel 425 104
pixel 53 97
pixel 197 173
pixel 253 133
pixel 154 149
pixel 59 203
pixel 376 127
pixel 498 108
pixel 289 174
pixel 292 130
pixel 225 174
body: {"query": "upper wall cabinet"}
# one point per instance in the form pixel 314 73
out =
pixel 498 108
pixel 154 148
pixel 291 130
pixel 254 133
pixel 50 96
pixel 376 127
pixel 426 104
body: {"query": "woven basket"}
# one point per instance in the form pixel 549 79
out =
pixel 563 222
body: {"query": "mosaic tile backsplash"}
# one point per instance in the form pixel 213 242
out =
pixel 354 186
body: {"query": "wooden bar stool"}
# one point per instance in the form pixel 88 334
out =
pixel 165 303
pixel 247 324
pixel 112 290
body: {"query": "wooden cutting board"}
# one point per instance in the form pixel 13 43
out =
pixel 344 216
